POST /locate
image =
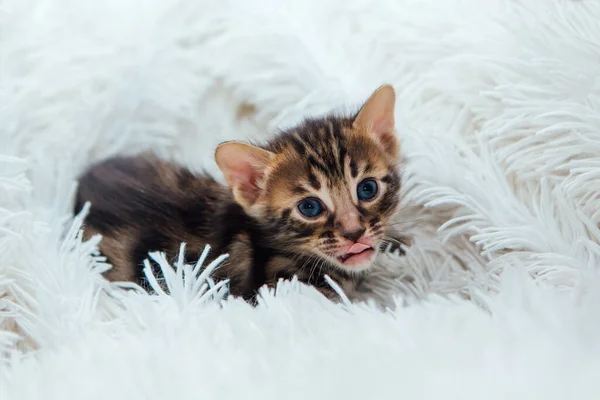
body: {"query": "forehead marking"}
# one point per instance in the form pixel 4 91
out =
pixel 317 164
pixel 313 181
pixel 353 168
pixel 299 191
pixel 298 144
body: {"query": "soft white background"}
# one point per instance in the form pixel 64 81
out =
pixel 499 114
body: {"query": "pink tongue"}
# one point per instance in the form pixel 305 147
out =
pixel 357 248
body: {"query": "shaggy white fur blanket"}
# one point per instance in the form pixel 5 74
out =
pixel 499 113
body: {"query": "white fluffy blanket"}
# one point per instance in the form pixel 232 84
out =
pixel 499 113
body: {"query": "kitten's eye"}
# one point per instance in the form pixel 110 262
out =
pixel 366 189
pixel 310 207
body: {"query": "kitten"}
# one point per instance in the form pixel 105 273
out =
pixel 314 200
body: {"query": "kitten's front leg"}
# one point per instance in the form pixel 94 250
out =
pixel 395 244
pixel 286 268
pixel 330 294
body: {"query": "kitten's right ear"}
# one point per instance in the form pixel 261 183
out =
pixel 244 168
pixel 376 118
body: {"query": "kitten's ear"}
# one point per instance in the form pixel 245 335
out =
pixel 244 168
pixel 376 118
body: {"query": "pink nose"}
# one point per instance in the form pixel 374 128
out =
pixel 349 225
pixel 354 236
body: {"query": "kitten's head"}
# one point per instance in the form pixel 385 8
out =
pixel 325 188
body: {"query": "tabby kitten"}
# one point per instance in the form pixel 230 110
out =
pixel 314 200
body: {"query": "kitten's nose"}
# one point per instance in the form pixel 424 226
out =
pixel 354 236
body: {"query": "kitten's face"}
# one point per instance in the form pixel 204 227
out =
pixel 330 192
pixel 327 188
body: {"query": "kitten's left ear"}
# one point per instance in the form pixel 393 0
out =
pixel 244 167
pixel 376 118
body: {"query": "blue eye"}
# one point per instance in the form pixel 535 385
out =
pixel 366 189
pixel 310 207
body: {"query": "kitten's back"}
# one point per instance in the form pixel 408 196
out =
pixel 141 204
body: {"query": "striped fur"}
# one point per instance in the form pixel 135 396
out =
pixel 142 204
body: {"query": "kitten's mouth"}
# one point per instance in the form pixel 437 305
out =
pixel 357 254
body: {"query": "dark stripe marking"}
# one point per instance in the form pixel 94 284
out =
pixel 353 168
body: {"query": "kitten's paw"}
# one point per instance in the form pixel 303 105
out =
pixel 394 246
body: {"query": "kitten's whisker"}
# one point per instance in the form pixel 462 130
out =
pixel 312 270
pixel 391 239
pixel 405 221
pixel 307 262
pixel 321 268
